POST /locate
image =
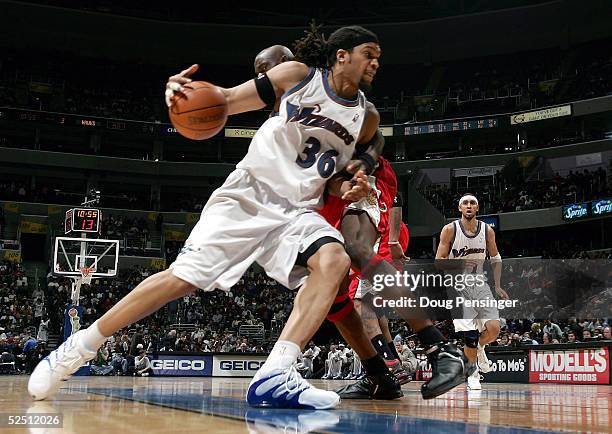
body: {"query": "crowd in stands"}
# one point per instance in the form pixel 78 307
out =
pixel 133 232
pixel 465 87
pixel 576 186
pixel 20 191
pixel 22 320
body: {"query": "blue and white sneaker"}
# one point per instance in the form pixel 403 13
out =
pixel 285 388
pixel 64 361
pixel 271 421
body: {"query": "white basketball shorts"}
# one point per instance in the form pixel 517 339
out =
pixel 475 318
pixel 244 221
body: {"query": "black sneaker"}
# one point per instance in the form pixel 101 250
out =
pixel 395 366
pixel 449 368
pixel 383 386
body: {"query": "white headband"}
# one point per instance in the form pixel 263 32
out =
pixel 468 196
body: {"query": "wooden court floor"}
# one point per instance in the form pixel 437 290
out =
pixel 123 405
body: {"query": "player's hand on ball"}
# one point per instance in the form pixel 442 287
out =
pixel 175 83
pixel 357 188
pixel 502 294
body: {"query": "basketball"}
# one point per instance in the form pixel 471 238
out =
pixel 200 112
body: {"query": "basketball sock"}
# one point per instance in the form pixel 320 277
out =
pixel 282 356
pixel 93 338
pixel 381 347
pixel 375 365
pixel 430 336
pixel 394 352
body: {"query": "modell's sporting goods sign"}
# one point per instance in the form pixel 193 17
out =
pixel 584 366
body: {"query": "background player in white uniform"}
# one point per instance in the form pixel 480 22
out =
pixel 308 357
pixel 471 240
pixel 333 364
pixel 263 212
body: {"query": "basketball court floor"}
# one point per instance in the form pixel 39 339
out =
pixel 122 405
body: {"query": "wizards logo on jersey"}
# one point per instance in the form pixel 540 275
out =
pixel 600 207
pixel 464 251
pixel 306 116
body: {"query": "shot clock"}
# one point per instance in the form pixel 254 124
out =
pixel 83 220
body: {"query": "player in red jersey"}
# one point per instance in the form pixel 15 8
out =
pixel 375 322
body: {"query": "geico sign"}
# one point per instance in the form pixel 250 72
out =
pixel 569 361
pixel 241 365
pixel 178 365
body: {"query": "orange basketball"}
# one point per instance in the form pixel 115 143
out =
pixel 200 112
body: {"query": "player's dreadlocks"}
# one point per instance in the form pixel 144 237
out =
pixel 314 50
pixel 311 49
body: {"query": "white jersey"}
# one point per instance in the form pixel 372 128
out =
pixel 312 138
pixel 466 246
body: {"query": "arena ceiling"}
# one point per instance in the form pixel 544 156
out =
pixel 296 14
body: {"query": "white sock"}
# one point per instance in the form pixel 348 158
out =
pixel 92 338
pixel 282 356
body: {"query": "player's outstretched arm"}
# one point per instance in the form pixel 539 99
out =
pixel 246 96
pixel 395 220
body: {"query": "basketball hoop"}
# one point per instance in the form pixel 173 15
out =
pixel 86 274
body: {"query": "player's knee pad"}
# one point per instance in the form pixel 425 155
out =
pixel 342 306
pixel 471 338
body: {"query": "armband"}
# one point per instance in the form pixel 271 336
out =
pixel 397 201
pixel 496 258
pixel 265 90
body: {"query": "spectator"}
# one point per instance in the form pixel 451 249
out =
pixel 169 342
pixel 43 329
pixel 143 365
pixel 407 357
pixel 552 329
pixel 102 363
pixel 137 339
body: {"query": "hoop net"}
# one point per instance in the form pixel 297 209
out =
pixel 86 274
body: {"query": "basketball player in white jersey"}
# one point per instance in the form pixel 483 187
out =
pixel 471 241
pixel 264 212
pixel 379 384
